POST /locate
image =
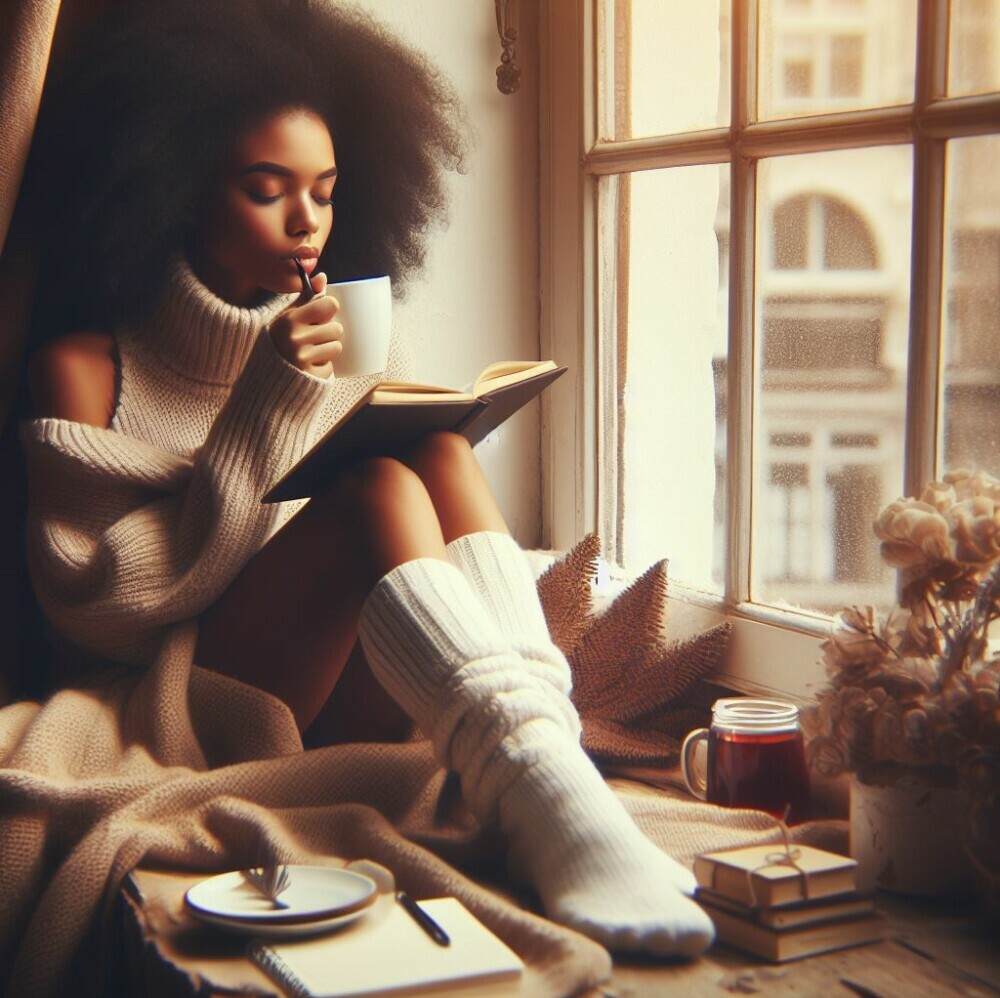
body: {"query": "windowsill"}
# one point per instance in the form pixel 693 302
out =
pixel 772 652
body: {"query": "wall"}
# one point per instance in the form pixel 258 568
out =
pixel 478 299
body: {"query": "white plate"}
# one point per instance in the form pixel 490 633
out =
pixel 275 930
pixel 314 893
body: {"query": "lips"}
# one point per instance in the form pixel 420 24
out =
pixel 308 264
pixel 307 256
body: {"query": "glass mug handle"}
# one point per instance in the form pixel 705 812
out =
pixel 694 775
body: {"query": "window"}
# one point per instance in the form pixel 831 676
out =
pixel 776 279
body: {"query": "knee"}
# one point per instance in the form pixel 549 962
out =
pixel 441 453
pixel 383 486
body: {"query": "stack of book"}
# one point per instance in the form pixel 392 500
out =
pixel 785 905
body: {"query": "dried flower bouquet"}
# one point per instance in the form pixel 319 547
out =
pixel 920 686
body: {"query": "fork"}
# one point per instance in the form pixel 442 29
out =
pixel 270 880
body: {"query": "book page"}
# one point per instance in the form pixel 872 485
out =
pixel 411 386
pixel 504 372
pixel 509 372
pixel 400 393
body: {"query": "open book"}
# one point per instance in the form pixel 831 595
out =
pixel 396 414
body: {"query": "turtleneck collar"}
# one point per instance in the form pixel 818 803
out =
pixel 198 335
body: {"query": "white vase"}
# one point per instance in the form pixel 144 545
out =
pixel 907 834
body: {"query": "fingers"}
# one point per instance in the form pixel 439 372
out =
pixel 320 309
pixel 314 348
pixel 318 283
pixel 318 360
pixel 321 353
pixel 316 332
pixel 307 335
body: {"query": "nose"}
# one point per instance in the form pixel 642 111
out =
pixel 302 219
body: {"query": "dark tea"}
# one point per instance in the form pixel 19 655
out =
pixel 756 758
pixel 763 771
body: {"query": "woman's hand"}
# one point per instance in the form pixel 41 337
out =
pixel 307 335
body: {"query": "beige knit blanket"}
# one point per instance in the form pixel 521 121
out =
pixel 176 766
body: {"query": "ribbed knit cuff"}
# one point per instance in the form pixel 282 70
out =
pixel 432 644
pixel 499 572
pixel 496 567
pixel 424 618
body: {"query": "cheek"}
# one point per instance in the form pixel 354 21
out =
pixel 251 226
pixel 326 218
pixel 239 230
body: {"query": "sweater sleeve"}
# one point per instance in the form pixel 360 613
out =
pixel 125 539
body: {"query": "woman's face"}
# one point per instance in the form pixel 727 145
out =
pixel 273 203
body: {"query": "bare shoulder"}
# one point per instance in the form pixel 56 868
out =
pixel 73 377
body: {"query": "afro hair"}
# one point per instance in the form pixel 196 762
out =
pixel 136 128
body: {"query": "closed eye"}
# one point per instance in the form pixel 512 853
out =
pixel 262 198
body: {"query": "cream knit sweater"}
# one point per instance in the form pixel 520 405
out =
pixel 144 524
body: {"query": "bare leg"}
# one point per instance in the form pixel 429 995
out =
pixel 456 485
pixel 359 708
pixel 288 622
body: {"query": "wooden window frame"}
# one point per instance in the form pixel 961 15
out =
pixel 578 417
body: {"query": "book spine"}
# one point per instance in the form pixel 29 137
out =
pixel 278 970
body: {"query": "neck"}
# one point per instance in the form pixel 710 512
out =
pixel 226 285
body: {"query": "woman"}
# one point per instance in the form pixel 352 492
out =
pixel 208 141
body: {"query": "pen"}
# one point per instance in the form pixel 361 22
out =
pixel 423 919
pixel 307 288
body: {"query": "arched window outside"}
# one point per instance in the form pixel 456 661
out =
pixel 812 325
pixel 818 232
pixel 822 450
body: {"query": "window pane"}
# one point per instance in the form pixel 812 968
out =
pixel 833 254
pixel 835 55
pixel 846 65
pixel 671 60
pixel 974 47
pixel 972 309
pixel 671 355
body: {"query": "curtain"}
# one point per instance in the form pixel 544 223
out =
pixel 26 32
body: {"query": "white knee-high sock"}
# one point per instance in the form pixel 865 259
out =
pixel 496 567
pixel 498 570
pixel 499 722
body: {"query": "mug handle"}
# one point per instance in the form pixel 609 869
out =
pixel 694 776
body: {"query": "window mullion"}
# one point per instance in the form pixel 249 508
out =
pixel 608 431
pixel 740 388
pixel 566 252
pixel 924 367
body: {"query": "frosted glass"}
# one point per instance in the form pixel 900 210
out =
pixel 671 67
pixel 974 47
pixel 972 305
pixel 834 55
pixel 672 338
pixel 832 301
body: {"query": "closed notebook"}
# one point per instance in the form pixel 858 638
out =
pixel 779 945
pixel 756 875
pixel 387 953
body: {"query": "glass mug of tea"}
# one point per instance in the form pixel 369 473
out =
pixel 756 758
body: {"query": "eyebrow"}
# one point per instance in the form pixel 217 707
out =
pixel 282 171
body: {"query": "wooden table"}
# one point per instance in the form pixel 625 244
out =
pixel 933 950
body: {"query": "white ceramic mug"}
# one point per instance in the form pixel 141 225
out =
pixel 366 315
